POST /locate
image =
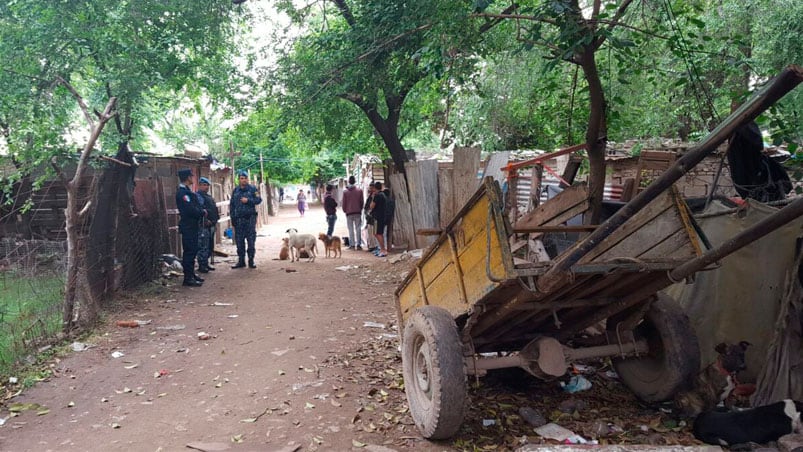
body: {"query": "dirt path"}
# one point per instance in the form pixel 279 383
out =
pixel 291 362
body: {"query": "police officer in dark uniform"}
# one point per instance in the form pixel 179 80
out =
pixel 191 215
pixel 243 211
pixel 206 236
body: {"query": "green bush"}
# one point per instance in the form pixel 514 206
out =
pixel 30 314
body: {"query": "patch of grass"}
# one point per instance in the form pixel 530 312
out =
pixel 30 314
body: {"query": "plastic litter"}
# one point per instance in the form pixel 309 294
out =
pixel 203 336
pixel 80 346
pixel 488 422
pixel 577 383
pixel 374 325
pixel 117 354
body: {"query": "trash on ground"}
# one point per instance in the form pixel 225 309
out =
pixel 171 327
pixel 233 316
pixel 117 354
pixel 12 380
pixel 217 303
pixel 290 270
pixel 345 268
pixel 208 447
pixel 203 336
pixel 577 383
pixel 373 325
pixel 388 336
pixel 562 434
pixel 488 422
pixel 128 323
pixel 532 416
pixel 416 253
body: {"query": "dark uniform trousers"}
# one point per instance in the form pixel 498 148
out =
pixel 245 230
pixel 189 245
pixel 205 245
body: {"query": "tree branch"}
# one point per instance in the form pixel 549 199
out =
pixel 59 172
pixel 617 16
pixel 503 16
pixel 78 99
pixel 495 21
pixel 345 11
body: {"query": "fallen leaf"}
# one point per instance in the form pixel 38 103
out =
pixel 336 403
pixel 237 438
pixel 42 412
pixel 309 405
pixel 356 443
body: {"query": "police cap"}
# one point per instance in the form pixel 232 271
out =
pixel 183 174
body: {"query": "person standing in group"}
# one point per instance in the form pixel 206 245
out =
pixel 190 216
pixel 301 199
pixel 330 207
pixel 206 236
pixel 370 222
pixel 352 206
pixel 378 209
pixel 243 211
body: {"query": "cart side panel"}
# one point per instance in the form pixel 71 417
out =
pixel 456 279
pixel 658 221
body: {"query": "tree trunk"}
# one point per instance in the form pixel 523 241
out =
pixel 73 215
pixel 388 129
pixel 596 136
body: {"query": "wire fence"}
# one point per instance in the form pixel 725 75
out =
pixel 31 295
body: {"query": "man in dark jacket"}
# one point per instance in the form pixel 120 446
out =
pixel 190 217
pixel 352 207
pixel 243 211
pixel 206 236
pixel 330 207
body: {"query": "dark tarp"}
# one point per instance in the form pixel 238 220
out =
pixel 747 298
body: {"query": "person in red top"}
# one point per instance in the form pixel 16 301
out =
pixel 330 207
pixel 352 206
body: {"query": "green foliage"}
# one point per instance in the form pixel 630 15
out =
pixel 130 50
pixel 29 308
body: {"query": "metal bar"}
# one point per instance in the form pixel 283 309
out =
pixel 740 240
pixel 421 285
pixel 458 269
pixel 763 99
pixel 511 167
pixel 577 354
pixel 501 362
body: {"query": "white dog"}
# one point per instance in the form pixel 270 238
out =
pixel 298 241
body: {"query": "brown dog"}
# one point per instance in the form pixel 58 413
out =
pixel 284 253
pixel 716 383
pixel 332 245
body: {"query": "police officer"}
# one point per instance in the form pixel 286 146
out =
pixel 206 236
pixel 191 215
pixel 243 211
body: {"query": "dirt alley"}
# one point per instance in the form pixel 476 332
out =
pixel 287 367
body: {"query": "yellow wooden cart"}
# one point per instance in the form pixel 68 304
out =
pixel 470 305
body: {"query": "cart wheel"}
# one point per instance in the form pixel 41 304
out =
pixel 674 356
pixel 434 378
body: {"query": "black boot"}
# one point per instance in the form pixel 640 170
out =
pixel 203 270
pixel 240 264
pixel 192 283
pixel 251 263
pixel 198 278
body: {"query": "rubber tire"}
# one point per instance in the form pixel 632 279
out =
pixel 434 375
pixel 674 356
